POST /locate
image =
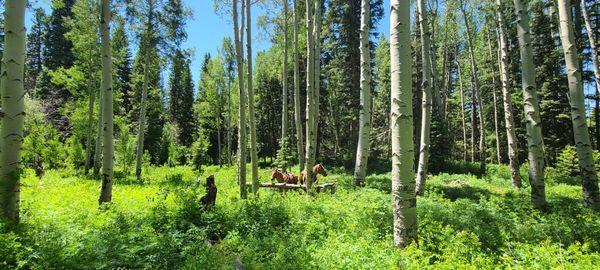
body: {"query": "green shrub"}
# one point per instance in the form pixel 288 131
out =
pixel 567 162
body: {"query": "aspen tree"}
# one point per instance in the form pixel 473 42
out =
pixel 535 140
pixel 426 100
pixel 509 121
pixel 251 115
pixel 297 102
pixel 13 109
pixel 242 102
pixel 362 151
pixel 404 203
pixel 576 99
pixel 142 117
pixel 107 106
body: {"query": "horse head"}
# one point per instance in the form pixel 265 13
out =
pixel 277 174
pixel 319 169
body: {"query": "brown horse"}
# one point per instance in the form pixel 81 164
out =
pixel 316 170
pixel 283 177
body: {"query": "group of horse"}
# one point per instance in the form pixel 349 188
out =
pixel 291 179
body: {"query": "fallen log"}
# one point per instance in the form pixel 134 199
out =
pixel 285 187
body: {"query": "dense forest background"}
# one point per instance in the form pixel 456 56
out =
pixel 194 122
pixel 470 123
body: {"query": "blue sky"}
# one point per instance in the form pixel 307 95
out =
pixel 207 29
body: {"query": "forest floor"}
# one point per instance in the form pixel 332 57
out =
pixel 465 222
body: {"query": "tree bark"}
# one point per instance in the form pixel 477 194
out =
pixel 495 98
pixel 426 100
pixel 90 132
pixel 404 203
pixel 317 77
pixel 251 116
pixel 576 99
pixel 12 94
pixel 284 104
pixel 462 110
pixel 594 50
pixel 98 148
pixel 364 133
pixel 310 96
pixel 142 116
pixel 475 95
pixel 107 106
pixel 509 121
pixel 242 102
pixel 297 102
pixel 535 140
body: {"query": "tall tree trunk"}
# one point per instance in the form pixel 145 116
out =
pixel 318 13
pixel 462 110
pixel 229 127
pixel 251 116
pixel 535 140
pixel 107 106
pixel 576 98
pixel 142 116
pixel 445 74
pixel 404 203
pixel 364 133
pixel 242 102
pixel 284 104
pixel 509 121
pixel 12 93
pixel 495 105
pixel 98 150
pixel 426 100
pixel 297 102
pixel 475 94
pixel 594 50
pixel 219 151
pixel 310 96
pixel 90 132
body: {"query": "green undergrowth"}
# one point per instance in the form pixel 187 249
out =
pixel 465 222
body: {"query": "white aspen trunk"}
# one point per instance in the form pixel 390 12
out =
pixel 426 100
pixel 251 116
pixel 364 133
pixel 591 38
pixel 495 105
pixel 229 128
pixel 317 77
pixel 310 96
pixel 576 99
pixel 535 140
pixel 284 103
pixel 462 111
pixel 90 132
pixel 12 93
pixel 297 100
pixel 509 122
pixel 242 102
pixel 404 203
pixel 476 105
pixel 142 116
pixel 107 106
pixel 98 147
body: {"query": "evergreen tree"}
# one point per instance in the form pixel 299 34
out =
pixel 181 99
pixel 35 48
pixel 122 65
pixel 57 54
pixel 57 48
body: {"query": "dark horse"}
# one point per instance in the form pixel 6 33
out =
pixel 283 177
pixel 316 170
